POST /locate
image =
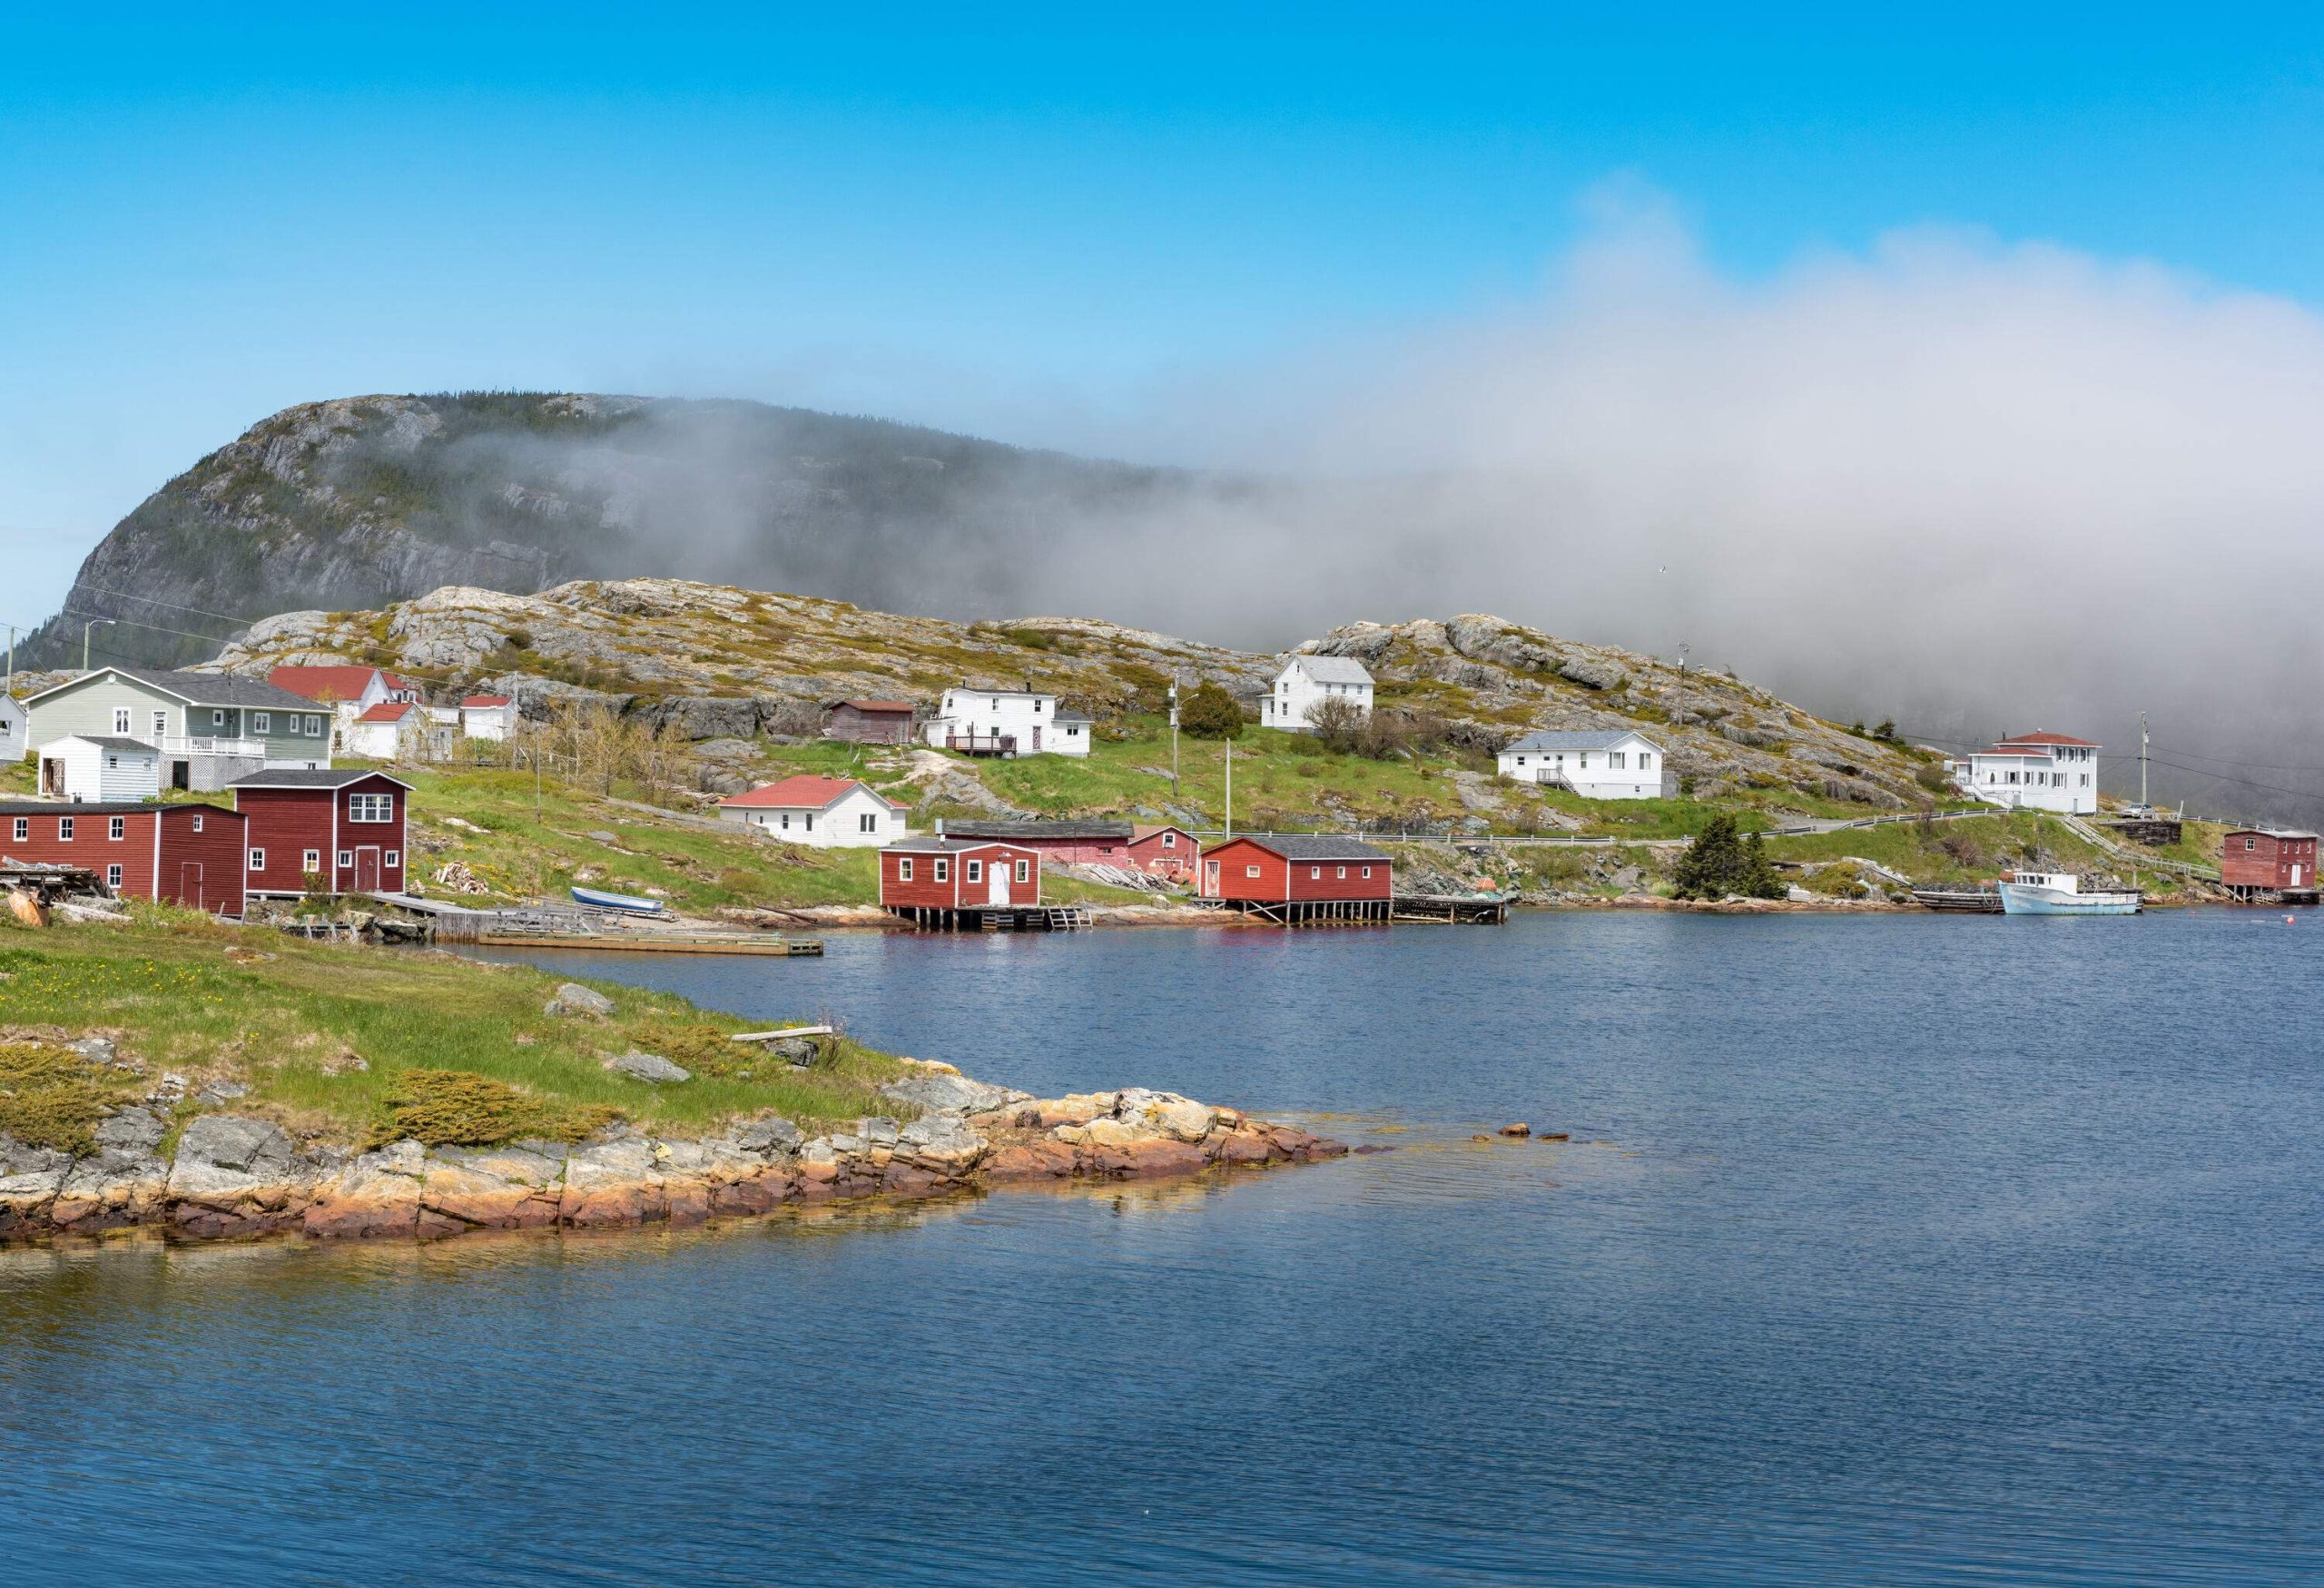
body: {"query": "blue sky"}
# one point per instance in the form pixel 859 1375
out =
pixel 1017 227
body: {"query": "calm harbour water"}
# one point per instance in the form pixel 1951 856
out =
pixel 1897 1250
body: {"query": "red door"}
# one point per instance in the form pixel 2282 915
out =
pixel 367 870
pixel 190 885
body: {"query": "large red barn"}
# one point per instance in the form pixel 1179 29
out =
pixel 1300 878
pixel 346 826
pixel 189 854
pixel 2271 860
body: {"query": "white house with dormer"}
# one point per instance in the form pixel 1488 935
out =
pixel 1306 682
pixel 2033 772
pixel 1597 763
pixel 1008 722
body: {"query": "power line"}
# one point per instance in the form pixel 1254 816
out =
pixel 157 601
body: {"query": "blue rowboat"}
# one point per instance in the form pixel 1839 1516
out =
pixel 628 903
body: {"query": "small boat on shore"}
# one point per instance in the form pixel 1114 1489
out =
pixel 626 904
pixel 2060 894
pixel 1965 900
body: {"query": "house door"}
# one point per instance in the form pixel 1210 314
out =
pixel 180 779
pixel 2295 873
pixel 1037 738
pixel 1210 879
pixel 998 871
pixel 190 885
pixel 52 776
pixel 367 871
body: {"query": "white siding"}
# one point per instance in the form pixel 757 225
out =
pixel 1629 768
pixel 96 772
pixel 986 713
pixel 840 827
pixel 1296 690
pixel 15 739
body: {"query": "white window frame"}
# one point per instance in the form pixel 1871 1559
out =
pixel 24 829
pixel 64 829
pixel 391 860
pixel 1367 872
pixel 1169 840
pixel 261 722
pixel 197 821
pixel 1342 876
pixel 360 806
pixel 975 871
pixel 904 868
pixel 161 725
pixel 312 726
pixel 310 859
pixel 943 870
pixel 1024 870
pixel 112 876
pixel 346 860
pixel 217 717
pixel 868 822
pixel 116 828
pixel 1250 871
pixel 120 721
pixel 1315 873
pixel 257 859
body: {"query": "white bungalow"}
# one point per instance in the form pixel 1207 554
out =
pixel 488 716
pixel 1306 682
pixel 1596 763
pixel 825 813
pixel 1008 722
pixel 393 730
pixel 16 729
pixel 100 769
pixel 2033 772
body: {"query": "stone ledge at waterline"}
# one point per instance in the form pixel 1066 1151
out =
pixel 234 1174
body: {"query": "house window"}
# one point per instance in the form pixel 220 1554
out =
pixel 117 828
pixel 1644 761
pixel 943 871
pixel 1315 873
pixel 310 859
pixel 257 859
pixel 904 869
pixel 24 829
pixel 392 860
pixel 1169 840
pixel 64 829
pixel 345 858
pixel 2250 844
pixel 262 723
pixel 120 720
pixel 160 724
pixel 1520 761
pixel 112 762
pixel 976 871
pixel 197 823
pixel 811 820
pixel 370 807
pixel 869 821
pixel 1367 871
pixel 1250 871
pixel 1024 870
pixel 1617 760
pixel 112 876
pixel 217 719
pixel 1342 876
pixel 312 726
pixel 786 821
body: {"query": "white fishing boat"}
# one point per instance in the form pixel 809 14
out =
pixel 2061 894
pixel 620 903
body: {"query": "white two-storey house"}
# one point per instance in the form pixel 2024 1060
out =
pixel 1008 722
pixel 1597 763
pixel 2033 772
pixel 1306 682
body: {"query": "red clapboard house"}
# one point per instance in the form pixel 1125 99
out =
pixel 1162 851
pixel 934 881
pixel 2268 860
pixel 1300 878
pixel 345 827
pixel 184 854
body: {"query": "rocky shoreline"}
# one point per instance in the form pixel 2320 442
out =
pixel 238 1176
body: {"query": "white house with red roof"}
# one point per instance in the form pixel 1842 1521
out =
pixel 349 689
pixel 393 730
pixel 2033 772
pixel 488 716
pixel 828 813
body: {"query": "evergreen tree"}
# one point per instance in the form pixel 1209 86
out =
pixel 1721 861
pixel 1209 712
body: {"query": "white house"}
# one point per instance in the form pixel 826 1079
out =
pixel 15 730
pixel 1597 763
pixel 488 716
pixel 1307 681
pixel 393 730
pixel 348 689
pixel 827 813
pixel 1008 722
pixel 98 768
pixel 2033 772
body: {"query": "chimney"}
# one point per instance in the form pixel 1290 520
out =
pixel 940 829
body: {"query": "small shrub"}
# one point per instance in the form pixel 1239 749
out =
pixel 459 1108
pixel 53 1097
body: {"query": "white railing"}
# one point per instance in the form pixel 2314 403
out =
pixel 203 745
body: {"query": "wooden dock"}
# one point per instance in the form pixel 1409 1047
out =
pixel 558 926
pixel 995 917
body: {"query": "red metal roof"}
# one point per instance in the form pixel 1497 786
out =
pixel 388 711
pixel 323 683
pixel 2045 739
pixel 485 700
pixel 809 790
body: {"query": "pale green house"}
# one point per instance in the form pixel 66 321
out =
pixel 211 728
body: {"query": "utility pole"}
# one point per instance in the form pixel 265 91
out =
pixel 1230 788
pixel 11 677
pixel 1172 738
pixel 2141 759
pixel 85 640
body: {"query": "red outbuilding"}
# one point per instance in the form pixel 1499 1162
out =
pixel 2271 860
pixel 1300 878
pixel 185 855
pixel 1162 851
pixel 933 879
pixel 344 827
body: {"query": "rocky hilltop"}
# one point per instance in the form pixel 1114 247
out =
pixel 722 661
pixel 364 501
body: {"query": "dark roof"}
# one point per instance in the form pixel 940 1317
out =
pixel 107 807
pixel 1310 846
pixel 928 843
pixel 2268 833
pixel 1071 716
pixel 203 688
pixel 300 777
pixel 1032 832
pixel 1331 669
pixel 1573 739
pixel 109 742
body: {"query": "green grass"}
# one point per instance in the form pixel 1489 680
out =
pixel 1952 852
pixel 287 1023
